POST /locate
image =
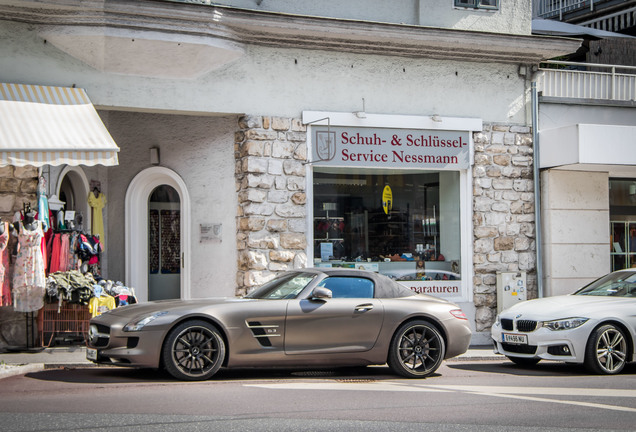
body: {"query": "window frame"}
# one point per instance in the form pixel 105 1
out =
pixel 475 4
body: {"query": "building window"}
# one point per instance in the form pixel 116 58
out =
pixel 623 223
pixel 478 4
pixel 404 225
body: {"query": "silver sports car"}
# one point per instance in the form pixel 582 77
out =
pixel 310 317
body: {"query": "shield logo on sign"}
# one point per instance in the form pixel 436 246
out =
pixel 325 145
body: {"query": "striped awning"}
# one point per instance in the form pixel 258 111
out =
pixel 42 125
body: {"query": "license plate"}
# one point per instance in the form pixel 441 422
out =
pixel 519 339
pixel 91 353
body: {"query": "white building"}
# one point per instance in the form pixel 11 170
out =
pixel 259 136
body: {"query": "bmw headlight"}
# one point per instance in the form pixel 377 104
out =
pixel 143 321
pixel 565 324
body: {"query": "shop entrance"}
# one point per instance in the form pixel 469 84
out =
pixel 164 244
pixel 158 235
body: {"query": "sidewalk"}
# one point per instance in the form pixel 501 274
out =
pixel 17 363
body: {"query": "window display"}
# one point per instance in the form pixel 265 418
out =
pixel 623 223
pixel 403 224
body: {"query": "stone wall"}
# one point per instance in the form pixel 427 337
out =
pixel 270 178
pixel 270 182
pixel 17 186
pixel 503 218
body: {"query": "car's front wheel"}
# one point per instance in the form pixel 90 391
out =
pixel 194 350
pixel 606 351
pixel 417 350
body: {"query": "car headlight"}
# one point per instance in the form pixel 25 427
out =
pixel 140 323
pixel 565 324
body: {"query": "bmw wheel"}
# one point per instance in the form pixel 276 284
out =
pixel 606 351
pixel 194 350
pixel 417 350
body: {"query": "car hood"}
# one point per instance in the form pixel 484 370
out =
pixel 147 308
pixel 564 307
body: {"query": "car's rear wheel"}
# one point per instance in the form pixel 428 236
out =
pixel 194 350
pixel 606 351
pixel 524 361
pixel 417 350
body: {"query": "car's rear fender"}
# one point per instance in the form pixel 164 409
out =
pixel 423 317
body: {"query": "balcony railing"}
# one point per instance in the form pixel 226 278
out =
pixel 554 8
pixel 587 81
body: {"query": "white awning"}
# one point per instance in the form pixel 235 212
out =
pixel 41 125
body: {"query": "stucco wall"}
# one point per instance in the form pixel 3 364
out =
pixel 575 212
pixel 278 82
pixel 512 17
pixel 201 151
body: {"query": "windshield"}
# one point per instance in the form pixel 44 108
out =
pixel 618 284
pixel 287 286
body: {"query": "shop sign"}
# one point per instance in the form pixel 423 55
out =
pixel 444 289
pixel 390 148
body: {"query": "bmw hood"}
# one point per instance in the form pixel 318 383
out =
pixel 561 306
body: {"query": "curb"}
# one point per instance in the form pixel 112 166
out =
pixel 13 370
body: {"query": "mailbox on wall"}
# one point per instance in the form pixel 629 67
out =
pixel 511 289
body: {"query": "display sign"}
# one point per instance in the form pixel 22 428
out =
pixel 390 148
pixel 387 199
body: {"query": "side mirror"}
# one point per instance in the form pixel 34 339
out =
pixel 321 293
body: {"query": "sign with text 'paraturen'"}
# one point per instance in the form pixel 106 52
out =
pixel 390 148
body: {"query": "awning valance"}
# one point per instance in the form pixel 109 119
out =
pixel 42 125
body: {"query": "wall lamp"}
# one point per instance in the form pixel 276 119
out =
pixel 361 114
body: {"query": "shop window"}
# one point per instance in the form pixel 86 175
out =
pixel 404 225
pixel 623 223
pixel 478 4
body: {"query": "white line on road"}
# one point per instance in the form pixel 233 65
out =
pixel 526 393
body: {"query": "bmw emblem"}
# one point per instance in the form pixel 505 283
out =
pixel 518 316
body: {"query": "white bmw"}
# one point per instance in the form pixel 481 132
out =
pixel 595 326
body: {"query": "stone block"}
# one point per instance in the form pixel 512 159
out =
pixel 290 211
pixel 503 243
pixel 251 223
pixel 278 196
pixel 277 225
pixel 280 123
pixel 293 241
pixel 281 255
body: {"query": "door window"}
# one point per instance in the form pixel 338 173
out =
pixel 349 287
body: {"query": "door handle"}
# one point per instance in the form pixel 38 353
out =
pixel 364 308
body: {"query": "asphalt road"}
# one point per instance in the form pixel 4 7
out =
pixel 463 396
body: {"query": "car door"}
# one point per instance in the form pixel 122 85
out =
pixel 350 321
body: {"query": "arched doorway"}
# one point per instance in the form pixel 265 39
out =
pixel 72 188
pixel 158 211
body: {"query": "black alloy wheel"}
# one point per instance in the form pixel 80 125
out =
pixel 193 351
pixel 606 351
pixel 417 350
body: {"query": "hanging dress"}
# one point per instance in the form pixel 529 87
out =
pixel 29 279
pixel 97 204
pixel 5 275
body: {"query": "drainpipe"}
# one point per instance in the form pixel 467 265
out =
pixel 537 187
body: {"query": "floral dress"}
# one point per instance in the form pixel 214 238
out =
pixel 5 275
pixel 29 279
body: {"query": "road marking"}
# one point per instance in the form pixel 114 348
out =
pixel 388 386
pixel 525 393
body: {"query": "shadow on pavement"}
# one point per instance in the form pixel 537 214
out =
pixel 543 368
pixel 116 375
